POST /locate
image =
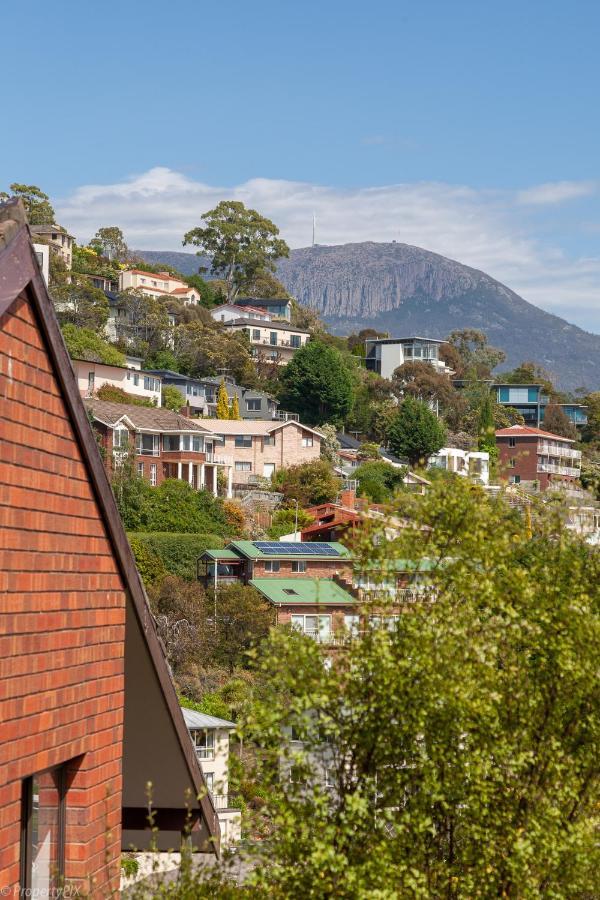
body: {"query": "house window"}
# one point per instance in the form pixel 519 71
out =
pixel 299 565
pixel 120 439
pixel 147 444
pixel 307 439
pixel 253 405
pixel 243 440
pixel 150 384
pixel 209 778
pixel 351 623
pixel 273 338
pixel 204 742
pixel 318 627
pixel 512 442
pixel 153 474
pixel 171 442
pixel 43 833
pixel 256 334
pixel 91 382
pixel 295 341
pixel 512 462
pixel 243 467
pixel 272 565
pixel 269 440
pixel 140 469
pixel 136 380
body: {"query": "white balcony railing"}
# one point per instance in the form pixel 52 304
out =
pixel 553 448
pixel 553 469
pixel 217 460
pixel 220 801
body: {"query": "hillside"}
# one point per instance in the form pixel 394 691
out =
pixel 407 290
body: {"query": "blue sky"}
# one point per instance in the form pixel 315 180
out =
pixel 469 128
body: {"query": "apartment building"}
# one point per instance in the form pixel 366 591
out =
pixel 88 708
pixel 527 454
pixel 59 240
pixel 91 376
pixel 162 443
pixel 210 739
pixel 270 341
pixel 200 394
pixel 260 448
pixel 384 355
pixel 531 402
pixel 276 307
pixel 472 464
pixel 159 284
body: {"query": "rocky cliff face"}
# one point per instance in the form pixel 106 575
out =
pixel 406 290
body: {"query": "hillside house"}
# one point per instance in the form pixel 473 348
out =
pixel 384 355
pixel 531 402
pixel 88 709
pixel 228 312
pixel 270 341
pixel 210 739
pixel 527 454
pixel 200 395
pixel 242 561
pixel 472 464
pixel 91 376
pixel 276 307
pixel 58 239
pixel 158 285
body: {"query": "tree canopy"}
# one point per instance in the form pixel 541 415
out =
pixel 110 242
pixel 309 483
pixel 416 432
pixel 37 204
pixel 318 385
pixel 240 242
pixel 83 343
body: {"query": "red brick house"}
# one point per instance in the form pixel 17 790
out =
pixel 88 709
pixel 530 454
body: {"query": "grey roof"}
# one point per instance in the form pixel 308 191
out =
pixel 347 442
pixel 265 301
pixel 404 340
pixel 195 719
pixel 260 323
pixel 144 418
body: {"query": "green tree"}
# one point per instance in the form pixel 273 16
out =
pixel 416 432
pixel 176 506
pixel 240 242
pixel 317 384
pixel 81 304
pixel 161 359
pixel 378 480
pixel 110 242
pixel 82 343
pixel 284 521
pixel 264 284
pixel 133 496
pixel 474 352
pixel 144 325
pixel 330 444
pixel 557 422
pixel 309 483
pixel 235 408
pixel 486 441
pixel 172 398
pixel 37 204
pixel 461 744
pixel 222 402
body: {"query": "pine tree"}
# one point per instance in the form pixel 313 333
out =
pixel 222 402
pixel 234 413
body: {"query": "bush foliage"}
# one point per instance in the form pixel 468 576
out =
pixel 160 553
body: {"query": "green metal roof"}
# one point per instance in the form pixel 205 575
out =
pixel 221 554
pixel 247 548
pixel 305 590
pixel 404 565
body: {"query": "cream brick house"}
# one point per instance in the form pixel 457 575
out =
pixel 259 448
pixel 158 285
pixel 91 376
pixel 275 341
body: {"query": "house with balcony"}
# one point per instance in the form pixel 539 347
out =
pixel 159 284
pixel 276 307
pixel 210 739
pixel 200 395
pixel 58 239
pixel 91 376
pixel 243 561
pixel 162 444
pixel 530 455
pixel 257 449
pixel 274 341
pixel 472 464
pixel 531 402
pixel 384 355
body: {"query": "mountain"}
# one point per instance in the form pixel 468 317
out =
pixel 406 290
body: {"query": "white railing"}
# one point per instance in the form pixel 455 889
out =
pixel 282 416
pixel 217 460
pixel 552 448
pixel 140 451
pixel 220 801
pixel 553 469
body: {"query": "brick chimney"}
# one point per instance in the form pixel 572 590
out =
pixel 348 499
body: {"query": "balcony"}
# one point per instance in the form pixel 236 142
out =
pixel 554 448
pixel 281 415
pixel 216 460
pixel 192 456
pixel 220 801
pixel 552 469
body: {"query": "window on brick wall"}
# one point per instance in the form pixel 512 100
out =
pixel 243 467
pixel 512 442
pixel 307 439
pixel 512 462
pixel 243 440
pixel 43 833
pixel 153 474
pixel 272 565
pixel 299 565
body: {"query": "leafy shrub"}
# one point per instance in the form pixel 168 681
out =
pixel 114 394
pixel 83 343
pixel 378 480
pixel 161 553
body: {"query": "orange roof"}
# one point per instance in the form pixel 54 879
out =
pixel 184 290
pixel 527 431
pixel 161 277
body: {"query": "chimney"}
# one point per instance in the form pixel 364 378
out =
pixel 186 411
pixel 348 498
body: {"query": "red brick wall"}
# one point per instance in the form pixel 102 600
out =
pixel 62 617
pixel 525 455
pixel 321 569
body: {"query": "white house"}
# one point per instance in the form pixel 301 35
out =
pixel 271 341
pixel 228 312
pixel 473 464
pixel 42 253
pixel 159 284
pixel 384 355
pixel 210 737
pixel 92 375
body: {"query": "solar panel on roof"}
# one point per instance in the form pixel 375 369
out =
pixel 281 548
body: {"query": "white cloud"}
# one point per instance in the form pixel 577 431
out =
pixel 556 192
pixel 483 229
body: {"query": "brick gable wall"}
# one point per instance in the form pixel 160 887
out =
pixel 62 617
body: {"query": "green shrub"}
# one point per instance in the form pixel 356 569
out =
pixel 169 552
pixel 114 394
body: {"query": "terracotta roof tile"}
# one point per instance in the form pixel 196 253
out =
pixel 528 431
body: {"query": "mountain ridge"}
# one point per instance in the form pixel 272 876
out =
pixel 407 290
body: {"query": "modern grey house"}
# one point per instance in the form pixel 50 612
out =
pixel 278 307
pixel 201 395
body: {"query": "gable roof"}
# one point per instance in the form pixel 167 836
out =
pixel 20 275
pixel 195 719
pixel 527 431
pixel 306 591
pixel 142 418
pixel 256 427
pixel 275 325
pixel 250 550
